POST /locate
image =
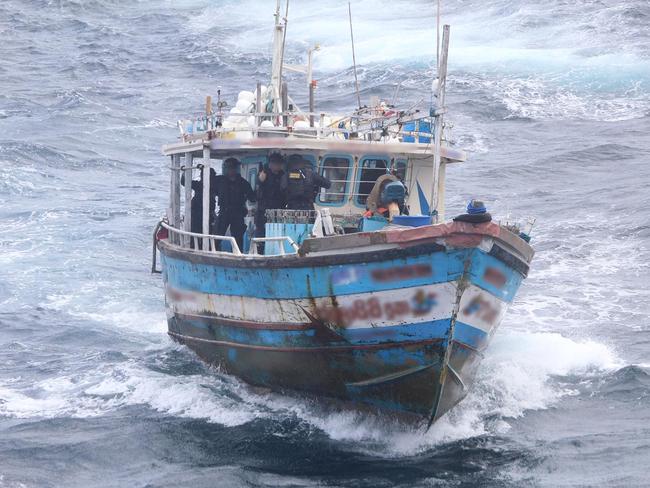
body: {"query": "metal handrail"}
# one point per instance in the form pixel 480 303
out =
pixel 253 249
pixel 318 133
pixel 203 124
pixel 211 239
pixel 195 237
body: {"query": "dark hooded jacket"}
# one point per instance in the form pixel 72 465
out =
pixel 232 194
pixel 269 192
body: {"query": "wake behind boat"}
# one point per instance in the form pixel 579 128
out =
pixel 371 297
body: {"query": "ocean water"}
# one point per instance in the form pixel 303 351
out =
pixel 552 101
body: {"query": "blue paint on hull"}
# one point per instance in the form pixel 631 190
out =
pixel 214 329
pixel 319 281
pixel 395 366
pixel 339 280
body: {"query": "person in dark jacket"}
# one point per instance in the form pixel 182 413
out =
pixel 269 193
pixel 476 213
pixel 302 184
pixel 232 192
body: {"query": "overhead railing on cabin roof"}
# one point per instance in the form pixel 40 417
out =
pixel 364 126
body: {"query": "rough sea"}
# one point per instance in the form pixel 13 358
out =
pixel 551 100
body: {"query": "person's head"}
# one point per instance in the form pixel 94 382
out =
pixel 276 162
pixel 231 168
pixel 296 161
pixel 475 207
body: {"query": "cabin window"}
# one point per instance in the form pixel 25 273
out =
pixel 337 170
pixel 370 169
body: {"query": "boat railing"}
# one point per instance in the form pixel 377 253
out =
pixel 208 242
pixel 204 242
pixel 358 127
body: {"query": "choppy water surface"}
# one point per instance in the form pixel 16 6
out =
pixel 552 100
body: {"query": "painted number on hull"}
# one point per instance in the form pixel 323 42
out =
pixel 421 303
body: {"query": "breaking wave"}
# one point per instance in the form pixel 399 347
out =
pixel 521 372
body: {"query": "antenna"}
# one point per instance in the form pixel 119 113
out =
pixel 354 58
pixel 438 38
pixel 438 116
pixel 279 37
pixel 284 39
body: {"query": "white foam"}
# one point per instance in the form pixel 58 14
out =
pixel 521 372
pixel 537 69
pixel 112 387
pixel 400 30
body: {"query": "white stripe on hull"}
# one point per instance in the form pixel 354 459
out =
pixel 480 309
pixel 364 310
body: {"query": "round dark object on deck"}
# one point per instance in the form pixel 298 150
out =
pixel 474 218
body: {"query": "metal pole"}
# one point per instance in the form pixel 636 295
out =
pixel 284 39
pixel 258 106
pixel 354 57
pixel 438 38
pixel 206 197
pixel 311 85
pixel 276 67
pixel 285 103
pixel 187 227
pixel 175 194
pixel 440 107
pixel 311 104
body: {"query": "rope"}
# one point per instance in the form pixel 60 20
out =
pixel 183 168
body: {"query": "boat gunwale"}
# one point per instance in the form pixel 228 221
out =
pixel 405 242
pixel 294 260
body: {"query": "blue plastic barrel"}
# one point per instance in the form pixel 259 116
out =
pixel 417 126
pixel 371 224
pixel 409 127
pixel 424 127
pixel 412 220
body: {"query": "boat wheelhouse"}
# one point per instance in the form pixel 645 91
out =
pixel 392 312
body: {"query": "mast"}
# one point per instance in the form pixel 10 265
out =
pixel 279 32
pixel 354 57
pixel 438 34
pixel 437 189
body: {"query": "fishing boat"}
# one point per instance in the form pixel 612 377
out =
pixel 386 311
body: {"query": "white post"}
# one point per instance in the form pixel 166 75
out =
pixel 440 105
pixel 258 107
pixel 276 67
pixel 441 192
pixel 175 194
pixel 187 222
pixel 206 197
pixel 284 94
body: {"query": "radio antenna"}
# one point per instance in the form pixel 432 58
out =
pixel 284 40
pixel 438 38
pixel 354 58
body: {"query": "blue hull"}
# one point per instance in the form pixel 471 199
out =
pixel 372 327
